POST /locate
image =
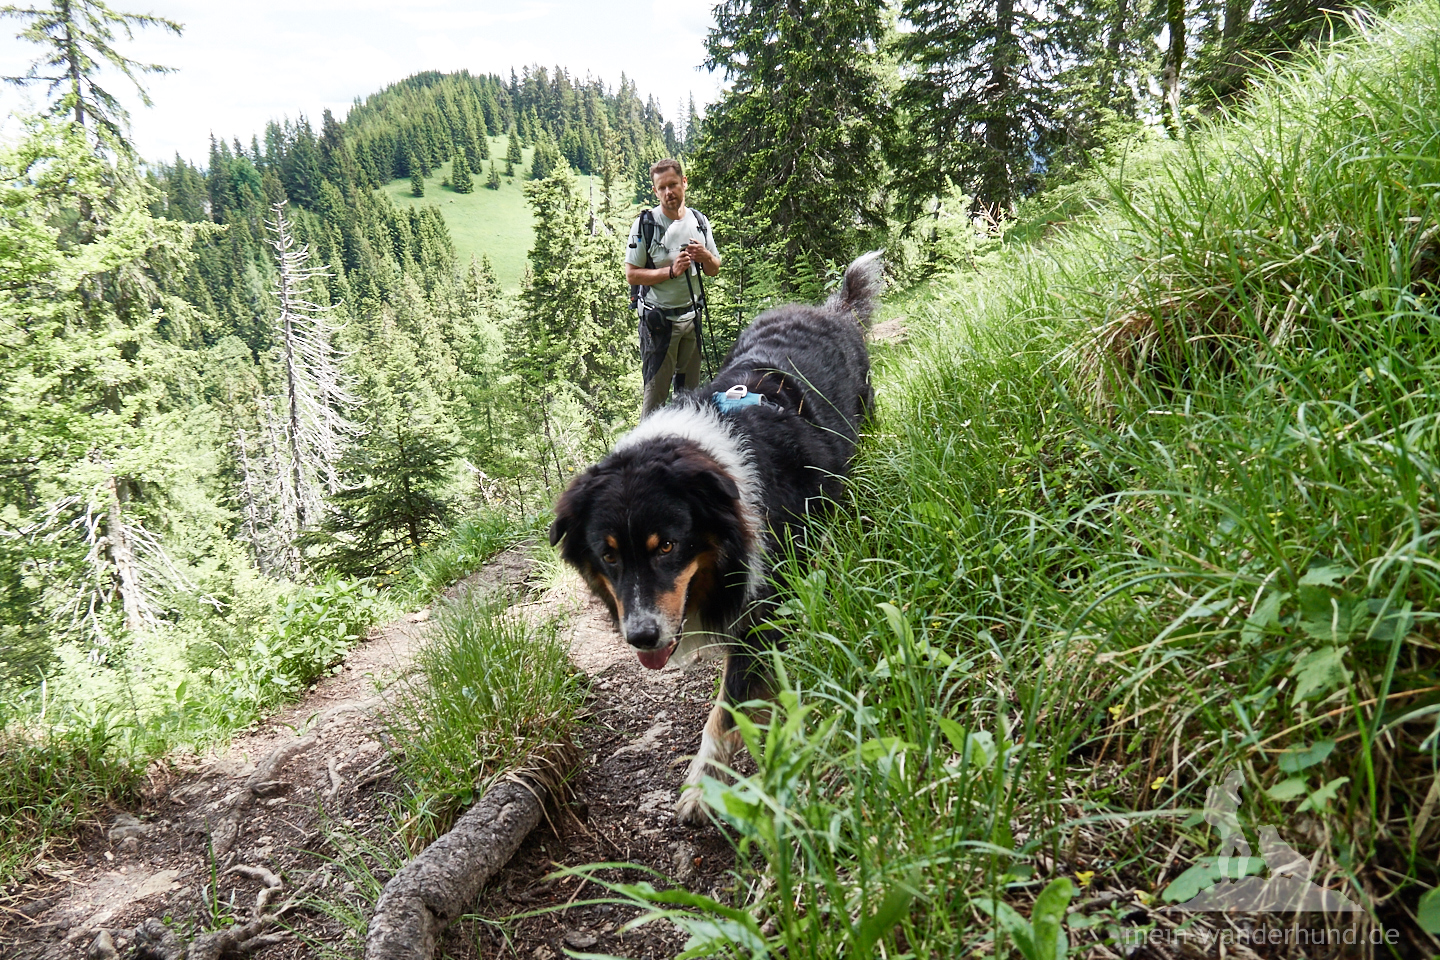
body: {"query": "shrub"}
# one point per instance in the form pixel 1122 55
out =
pixel 310 633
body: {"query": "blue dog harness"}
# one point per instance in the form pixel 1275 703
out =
pixel 737 397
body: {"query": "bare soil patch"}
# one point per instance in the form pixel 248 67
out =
pixel 223 837
pixel 644 726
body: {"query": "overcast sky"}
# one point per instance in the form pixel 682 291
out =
pixel 240 65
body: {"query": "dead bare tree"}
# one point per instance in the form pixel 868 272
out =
pixel 265 494
pixel 123 561
pixel 317 390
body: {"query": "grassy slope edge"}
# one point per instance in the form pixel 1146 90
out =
pixel 1146 504
pixel 80 741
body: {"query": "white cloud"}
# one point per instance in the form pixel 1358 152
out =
pixel 241 65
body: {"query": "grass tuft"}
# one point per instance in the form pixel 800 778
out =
pixel 54 777
pixel 495 693
pixel 467 548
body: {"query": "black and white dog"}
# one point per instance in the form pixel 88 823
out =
pixel 673 530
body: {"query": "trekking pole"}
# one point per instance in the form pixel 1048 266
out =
pixel 705 306
pixel 698 307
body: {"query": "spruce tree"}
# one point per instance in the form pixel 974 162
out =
pixel 493 181
pixel 513 156
pixel 692 126
pixel 300 171
pixel 417 183
pixel 978 102
pixel 103 453
pixel 77 37
pixel 577 327
pixel 546 157
pixel 794 142
pixel 460 179
pixel 612 169
pixel 396 477
pixel 395 501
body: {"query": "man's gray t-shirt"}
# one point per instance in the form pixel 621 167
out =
pixel 670 238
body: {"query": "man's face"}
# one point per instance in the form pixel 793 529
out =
pixel 670 188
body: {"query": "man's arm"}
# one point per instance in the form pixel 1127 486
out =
pixel 640 276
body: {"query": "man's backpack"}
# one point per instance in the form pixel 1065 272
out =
pixel 648 226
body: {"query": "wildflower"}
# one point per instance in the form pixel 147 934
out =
pixel 1117 710
pixel 1159 782
pixel 1084 877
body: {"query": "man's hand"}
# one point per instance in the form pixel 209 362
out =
pixel 683 262
pixel 693 254
pixel 696 252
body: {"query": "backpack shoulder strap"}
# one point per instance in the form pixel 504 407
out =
pixel 700 221
pixel 647 234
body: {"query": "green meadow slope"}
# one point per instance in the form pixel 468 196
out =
pixel 1147 506
pixel 484 223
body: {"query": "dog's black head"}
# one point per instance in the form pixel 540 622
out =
pixel 658 531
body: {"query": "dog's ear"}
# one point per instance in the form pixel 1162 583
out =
pixel 714 482
pixel 573 505
pixel 713 494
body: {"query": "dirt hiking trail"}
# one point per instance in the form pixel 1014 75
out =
pixel 286 812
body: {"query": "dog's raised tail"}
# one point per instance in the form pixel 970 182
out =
pixel 860 288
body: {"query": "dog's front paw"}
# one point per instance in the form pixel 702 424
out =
pixel 690 808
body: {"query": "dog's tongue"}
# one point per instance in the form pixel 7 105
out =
pixel 655 659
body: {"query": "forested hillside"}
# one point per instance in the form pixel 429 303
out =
pixel 230 380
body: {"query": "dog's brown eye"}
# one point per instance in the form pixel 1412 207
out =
pixel 667 546
pixel 610 557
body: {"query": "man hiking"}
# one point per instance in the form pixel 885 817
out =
pixel 662 262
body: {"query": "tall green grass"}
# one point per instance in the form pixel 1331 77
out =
pixel 473 542
pixel 495 693
pixel 54 777
pixel 1151 502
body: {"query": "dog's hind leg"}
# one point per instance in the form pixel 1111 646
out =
pixel 720 738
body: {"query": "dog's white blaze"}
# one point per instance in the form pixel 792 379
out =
pixel 704 427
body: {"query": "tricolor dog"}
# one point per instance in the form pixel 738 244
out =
pixel 675 528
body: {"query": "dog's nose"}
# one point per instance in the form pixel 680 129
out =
pixel 644 635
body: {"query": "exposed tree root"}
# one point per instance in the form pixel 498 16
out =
pixel 436 887
pixel 265 782
pixel 272 884
pixel 155 941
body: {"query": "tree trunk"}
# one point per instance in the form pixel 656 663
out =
pixel 73 56
pixel 1114 47
pixel 1174 59
pixel 995 188
pixel 292 389
pixel 1236 12
pixel 122 556
pixel 251 502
